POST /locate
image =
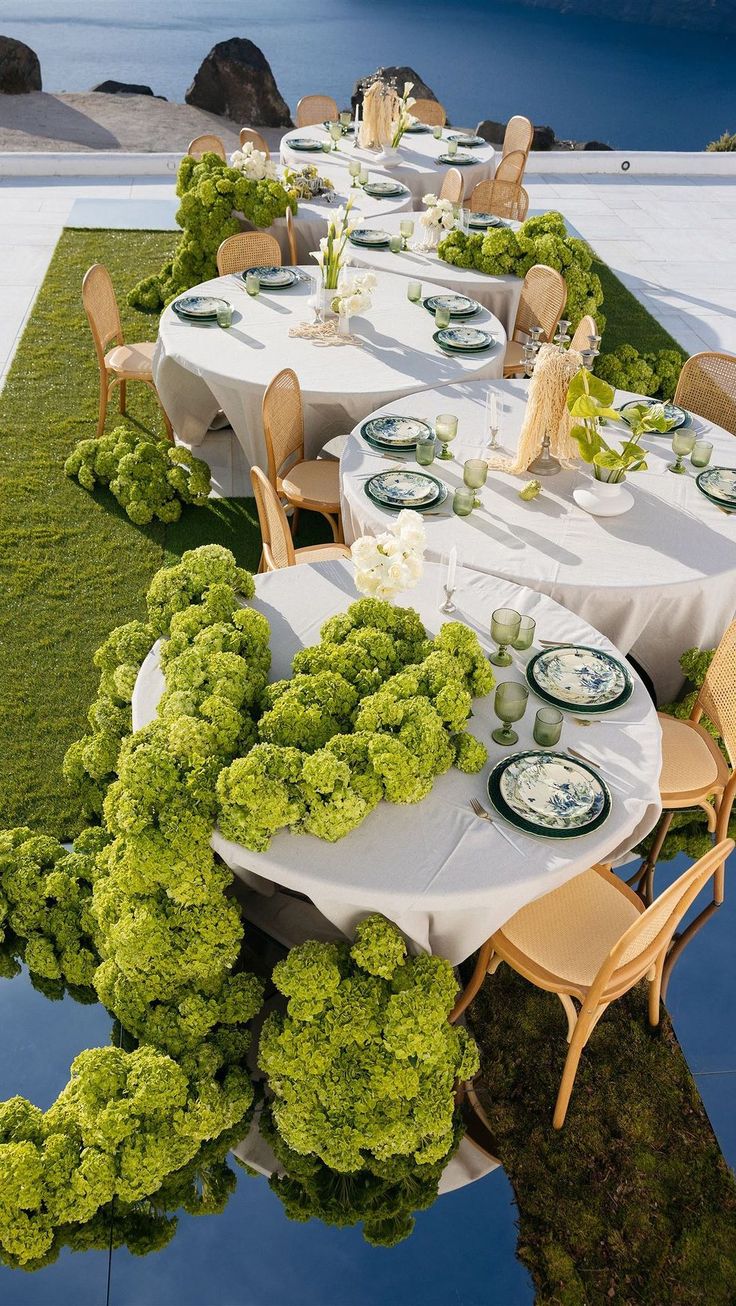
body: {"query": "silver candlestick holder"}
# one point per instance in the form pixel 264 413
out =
pixel 545 464
pixel 448 606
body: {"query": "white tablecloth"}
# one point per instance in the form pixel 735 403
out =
pixel 199 368
pixel 656 580
pixel 445 877
pixel 499 294
pixel 418 168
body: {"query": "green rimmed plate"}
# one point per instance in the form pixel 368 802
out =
pixel 463 340
pixel 455 159
pixel 682 417
pixel 393 431
pixel 369 238
pixel 384 189
pixel 198 308
pixel 418 127
pixel 274 278
pixel 482 221
pixel 579 678
pixel 549 795
pixel 397 489
pixel 307 144
pixel 719 485
pixel 470 142
pixel 457 305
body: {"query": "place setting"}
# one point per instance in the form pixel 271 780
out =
pixel 203 310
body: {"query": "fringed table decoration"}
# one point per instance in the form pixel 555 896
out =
pixel 545 434
pixel 323 333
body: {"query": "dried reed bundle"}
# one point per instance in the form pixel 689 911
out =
pixel 546 411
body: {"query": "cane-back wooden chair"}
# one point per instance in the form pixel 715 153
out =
pixel 707 386
pixel 278 546
pixel 592 940
pixel 586 327
pixel 511 168
pixel 543 298
pixel 430 112
pixel 312 484
pixel 519 135
pixel 503 198
pixel 248 249
pixel 206 144
pixel 453 186
pixel 314 109
pixel 124 362
pixel 250 135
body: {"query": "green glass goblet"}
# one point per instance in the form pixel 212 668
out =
pixel 683 443
pixel 475 475
pixel 406 227
pixel 445 428
pixel 509 705
pixel 505 624
pixel 354 166
pixel 525 637
pixel 335 130
pixel 547 727
pixel 346 118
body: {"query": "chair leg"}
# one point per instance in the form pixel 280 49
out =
pixel 643 879
pixel 335 526
pixel 572 1060
pixel 655 989
pixel 570 1012
pixel 294 522
pixel 104 393
pixel 481 967
pixel 123 395
pixel 725 806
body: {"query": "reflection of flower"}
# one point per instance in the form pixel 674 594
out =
pixel 353 293
pixel 440 213
pixel 389 563
pixel 254 164
pixel 404 118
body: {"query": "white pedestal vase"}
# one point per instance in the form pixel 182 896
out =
pixel 603 498
pixel 390 157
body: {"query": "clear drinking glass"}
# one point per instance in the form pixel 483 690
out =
pixel 425 450
pixel 463 501
pixel 437 132
pixel 414 291
pixel 224 315
pixel 406 227
pixel 475 475
pixel 441 318
pixel 252 283
pixel 395 244
pixel 335 130
pixel 510 705
pixel 505 624
pixel 363 175
pixel 547 727
pixel 451 149
pixel 354 167
pixel 445 428
pixel 683 442
pixel 702 453
pixel 525 637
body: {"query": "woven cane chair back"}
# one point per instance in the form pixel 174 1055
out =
pixel 707 386
pixel 248 249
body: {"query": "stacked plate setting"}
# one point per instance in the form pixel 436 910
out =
pixel 456 305
pixel 549 795
pixel 671 411
pixel 463 340
pixel 370 238
pixel 273 278
pixel 579 678
pixel 198 308
pixel 394 431
pixel 719 485
pixel 384 189
pixel 481 221
pixel 470 142
pixel 397 489
pixel 455 160
pixel 305 143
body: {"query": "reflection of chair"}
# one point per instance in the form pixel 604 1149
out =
pixel 278 547
pixel 694 771
pixel 206 145
pixel 707 386
pixel 248 249
pixel 312 484
pixel 249 134
pixel 502 198
pixel 291 236
pixel 123 363
pixel 519 135
pixel 453 186
pixel 313 109
pixel 585 327
pixel 511 168
pixel 543 297
pixel 592 939
pixel 430 112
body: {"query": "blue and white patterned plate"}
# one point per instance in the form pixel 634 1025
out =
pixel 383 189
pixel 197 307
pixel 481 221
pixel 457 305
pixel 394 431
pixel 579 678
pixel 455 159
pixel 304 143
pixel 463 340
pixel 274 278
pixel 467 142
pixel 369 236
pixel 549 794
pixel 671 411
pixel 404 489
pixel 719 485
pixel 346 131
pixel 418 127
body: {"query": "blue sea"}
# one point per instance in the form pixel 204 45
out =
pixel 635 87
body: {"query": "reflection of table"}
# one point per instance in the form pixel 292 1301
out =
pixel 418 168
pixel 445 877
pixel 200 368
pixel 499 294
pixel 657 580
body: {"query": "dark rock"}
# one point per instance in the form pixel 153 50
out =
pixel 491 131
pixel 20 71
pixel 235 81
pixel 111 87
pixel 544 138
pixel 396 77
pixel 596 145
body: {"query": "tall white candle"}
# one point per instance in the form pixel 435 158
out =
pixel 494 410
pixel 452 567
pixel 357 119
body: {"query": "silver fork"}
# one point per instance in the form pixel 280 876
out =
pixel 480 811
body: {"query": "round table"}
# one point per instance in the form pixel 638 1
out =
pixel 310 222
pixel 499 294
pixel 447 878
pixel 199 368
pixel 418 168
pixel 656 580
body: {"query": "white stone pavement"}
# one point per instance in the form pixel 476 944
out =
pixel 670 239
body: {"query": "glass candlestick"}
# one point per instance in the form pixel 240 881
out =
pixel 509 705
pixel 545 464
